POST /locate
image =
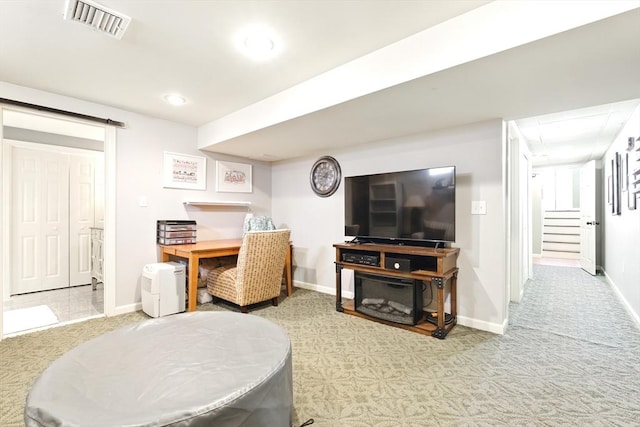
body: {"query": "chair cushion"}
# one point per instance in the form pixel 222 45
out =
pixel 221 283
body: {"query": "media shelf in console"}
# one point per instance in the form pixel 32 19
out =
pixel 369 258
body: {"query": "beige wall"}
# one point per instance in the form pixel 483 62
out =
pixel 475 150
pixel 621 233
pixel 139 155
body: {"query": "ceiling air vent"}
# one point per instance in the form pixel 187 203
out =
pixel 98 17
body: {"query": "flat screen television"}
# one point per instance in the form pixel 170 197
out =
pixel 415 207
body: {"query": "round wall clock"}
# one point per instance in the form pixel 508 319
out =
pixel 325 176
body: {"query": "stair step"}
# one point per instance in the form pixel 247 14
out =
pixel 565 255
pixel 561 247
pixel 561 238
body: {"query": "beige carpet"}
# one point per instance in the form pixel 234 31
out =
pixel 350 372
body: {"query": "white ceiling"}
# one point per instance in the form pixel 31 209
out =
pixel 187 47
pixel 575 136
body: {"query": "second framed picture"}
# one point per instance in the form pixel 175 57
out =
pixel 233 177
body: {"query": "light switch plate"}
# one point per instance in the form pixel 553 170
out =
pixel 478 207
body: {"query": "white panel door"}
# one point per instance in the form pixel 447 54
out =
pixel 588 219
pixel 99 190
pixel 40 224
pixel 81 217
pixel 525 212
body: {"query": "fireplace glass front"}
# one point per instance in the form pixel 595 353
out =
pixel 388 298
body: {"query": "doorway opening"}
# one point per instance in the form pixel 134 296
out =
pixel 52 249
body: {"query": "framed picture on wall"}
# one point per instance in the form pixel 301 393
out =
pixel 615 172
pixel 624 173
pixel 233 177
pixel 631 164
pixel 184 171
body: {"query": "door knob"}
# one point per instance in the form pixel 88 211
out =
pixel 593 223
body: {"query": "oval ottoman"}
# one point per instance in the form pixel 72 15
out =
pixel 190 369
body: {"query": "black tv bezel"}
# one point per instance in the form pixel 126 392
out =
pixel 400 241
pixel 404 241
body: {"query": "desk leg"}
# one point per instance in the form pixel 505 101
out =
pixel 288 271
pixel 194 262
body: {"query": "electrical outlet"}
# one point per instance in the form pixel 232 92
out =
pixel 478 207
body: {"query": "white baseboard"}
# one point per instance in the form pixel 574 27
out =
pixel 623 300
pixel 322 289
pixel 464 321
pixel 495 328
pixel 130 308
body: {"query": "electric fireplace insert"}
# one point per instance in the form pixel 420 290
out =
pixel 388 298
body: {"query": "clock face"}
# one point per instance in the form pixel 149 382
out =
pixel 325 176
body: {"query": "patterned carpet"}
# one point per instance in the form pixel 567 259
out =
pixel 569 357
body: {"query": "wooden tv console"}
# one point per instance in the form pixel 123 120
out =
pixel 438 268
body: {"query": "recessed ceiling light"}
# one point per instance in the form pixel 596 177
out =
pixel 175 99
pixel 257 42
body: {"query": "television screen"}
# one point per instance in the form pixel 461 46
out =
pixel 416 205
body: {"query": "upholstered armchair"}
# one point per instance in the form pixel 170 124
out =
pixel 257 276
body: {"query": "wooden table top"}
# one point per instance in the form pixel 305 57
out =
pixel 204 246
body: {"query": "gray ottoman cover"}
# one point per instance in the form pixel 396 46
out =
pixel 190 369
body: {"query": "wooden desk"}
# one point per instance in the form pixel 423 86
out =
pixel 212 249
